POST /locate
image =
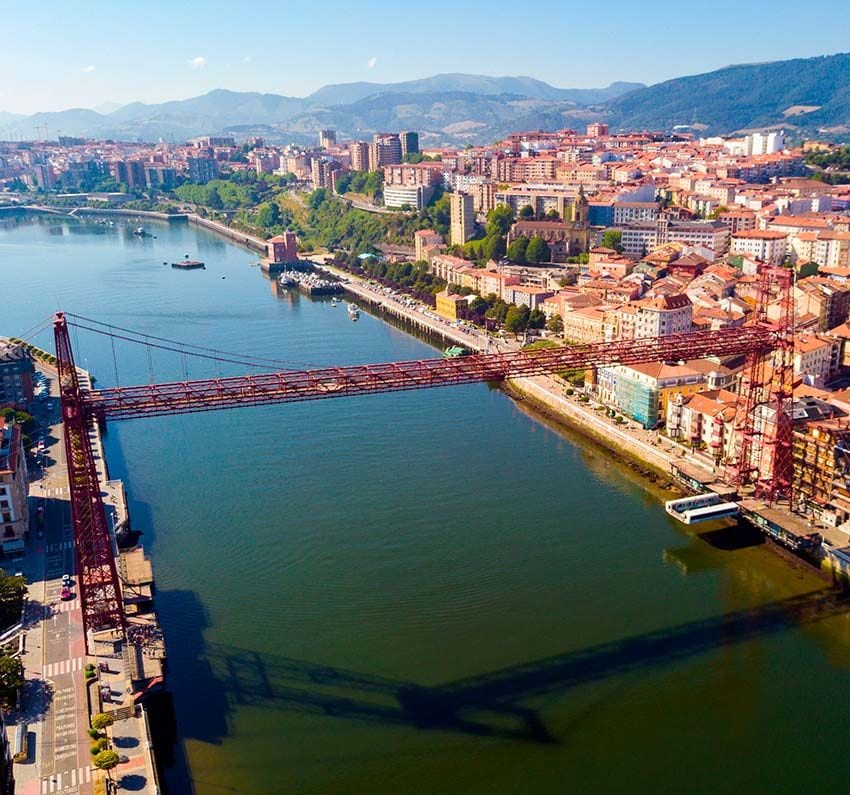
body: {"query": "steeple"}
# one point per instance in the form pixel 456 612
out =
pixel 580 207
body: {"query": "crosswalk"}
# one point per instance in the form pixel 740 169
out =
pixel 59 546
pixel 65 607
pixel 63 667
pixel 66 780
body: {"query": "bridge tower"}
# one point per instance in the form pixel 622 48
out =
pixel 97 576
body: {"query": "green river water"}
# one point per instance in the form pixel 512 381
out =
pixel 426 592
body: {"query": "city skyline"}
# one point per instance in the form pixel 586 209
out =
pixel 190 50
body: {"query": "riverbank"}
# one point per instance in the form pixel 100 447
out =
pixel 644 449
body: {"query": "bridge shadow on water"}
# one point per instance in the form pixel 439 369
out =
pixel 485 705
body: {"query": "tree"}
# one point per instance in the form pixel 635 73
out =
pixel 537 251
pixel 101 721
pixel 11 599
pixel 493 248
pixel 613 238
pixel 536 319
pixel 527 213
pixel 516 250
pixel 499 220
pixel 317 198
pixel 478 306
pixel 553 215
pixel 106 760
pixel 516 320
pixel 11 680
pixel 214 200
pixel 555 324
pixel 268 214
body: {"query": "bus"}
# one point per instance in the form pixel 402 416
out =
pixel 20 750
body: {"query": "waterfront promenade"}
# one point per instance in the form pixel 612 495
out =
pixel 57 703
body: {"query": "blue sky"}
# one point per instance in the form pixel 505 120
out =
pixel 57 54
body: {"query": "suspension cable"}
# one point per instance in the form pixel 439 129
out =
pixel 181 347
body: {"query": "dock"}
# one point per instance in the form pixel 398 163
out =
pixel 410 314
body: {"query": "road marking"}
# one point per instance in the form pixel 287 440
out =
pixel 72 779
pixel 59 546
pixel 63 667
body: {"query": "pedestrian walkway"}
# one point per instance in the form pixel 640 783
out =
pixel 63 667
pixel 66 781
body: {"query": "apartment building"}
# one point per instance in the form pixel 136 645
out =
pixel 16 375
pixel 761 244
pixel 663 316
pixel 14 511
pixel 424 239
pixel 358 152
pixel 462 218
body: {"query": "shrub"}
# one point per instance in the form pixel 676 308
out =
pixel 102 720
pixel 94 734
pixel 99 745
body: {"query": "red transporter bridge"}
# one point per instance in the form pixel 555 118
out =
pixel 100 593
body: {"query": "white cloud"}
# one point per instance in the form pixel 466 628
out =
pixel 372 61
pixel 88 69
pixel 198 63
pixel 247 59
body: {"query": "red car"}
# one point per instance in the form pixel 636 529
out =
pixel 65 593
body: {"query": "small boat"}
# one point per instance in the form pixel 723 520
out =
pixel 333 301
pixel 454 352
pixel 353 311
pixel 140 232
pixel 188 264
pixel 286 281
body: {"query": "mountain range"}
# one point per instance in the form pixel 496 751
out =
pixel 807 97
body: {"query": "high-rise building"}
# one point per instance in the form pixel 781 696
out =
pixel 359 152
pixel 327 138
pixel 201 169
pixel 597 130
pixel 385 150
pixel 321 172
pixel 462 218
pixel 409 143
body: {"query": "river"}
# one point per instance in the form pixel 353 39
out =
pixel 425 592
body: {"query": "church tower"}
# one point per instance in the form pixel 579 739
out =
pixel 580 208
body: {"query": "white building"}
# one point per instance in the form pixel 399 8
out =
pixel 663 316
pixel 403 196
pixel 762 244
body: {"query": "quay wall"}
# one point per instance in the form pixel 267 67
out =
pixel 242 238
pixel 169 217
pixel 544 392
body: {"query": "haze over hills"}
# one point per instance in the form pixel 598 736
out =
pixel 809 96
pixel 451 108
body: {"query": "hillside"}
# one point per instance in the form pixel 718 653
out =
pixel 451 108
pixel 348 93
pixel 807 94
